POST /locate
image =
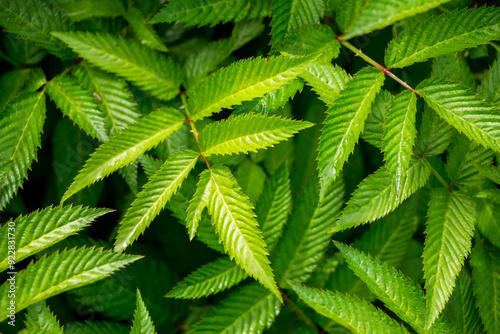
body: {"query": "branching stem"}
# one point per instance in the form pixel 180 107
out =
pixel 440 178
pixel 193 127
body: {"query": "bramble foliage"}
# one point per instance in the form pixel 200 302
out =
pixel 267 129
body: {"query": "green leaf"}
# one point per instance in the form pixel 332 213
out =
pixel 348 13
pixel 85 9
pixel 144 32
pixel 34 20
pixel 234 222
pixel 251 309
pixel 208 12
pixel 376 14
pixel 490 86
pixel 288 15
pixel 442 35
pixel 199 202
pixel 142 323
pixel 399 135
pixel 344 122
pixel 488 220
pixel 485 262
pixel 96 327
pixel 471 115
pixel 126 146
pixel 42 229
pixel 209 279
pixel 491 172
pixel 326 80
pixel 40 317
pixel 153 197
pixel 251 177
pixel 450 226
pixel 355 314
pixel 61 272
pixel 112 95
pixel 135 62
pixel 20 129
pixel 434 135
pixel 374 126
pixel 463 304
pixel 247 133
pixel 257 76
pixel 376 195
pixel 78 104
pixel 18 81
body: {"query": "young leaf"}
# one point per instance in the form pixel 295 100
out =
pixel 112 95
pixel 344 122
pixel 153 197
pixel 144 32
pixel 375 14
pixel 447 33
pixel 450 226
pixel 42 229
pixel 471 115
pixel 326 80
pixel 289 15
pixel 199 202
pixel 34 20
pixel 251 309
pixel 135 62
pixel 84 9
pixel 20 129
pixel 61 272
pixel 126 146
pixel 490 86
pixel 256 77
pixel 78 104
pixel 355 314
pixel 399 135
pixel 485 262
pixel 233 219
pixel 40 318
pixel 376 195
pixel 142 323
pixel 247 133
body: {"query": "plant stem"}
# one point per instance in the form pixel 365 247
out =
pixel 372 62
pixel 439 177
pixel 299 312
pixel 193 127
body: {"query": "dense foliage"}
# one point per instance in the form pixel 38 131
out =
pixel 184 166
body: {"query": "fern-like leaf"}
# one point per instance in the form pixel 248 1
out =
pixel 42 229
pixel 144 32
pixel 326 80
pixel 376 195
pixel 61 272
pixel 357 315
pixel 250 310
pixel 85 9
pixel 78 104
pixel 376 14
pixel 256 77
pixel 247 133
pixel 153 197
pixel 344 122
pixel 399 135
pixel 126 146
pixel 470 115
pixel 127 58
pixel 20 129
pixel 142 323
pixel 34 20
pixel 447 33
pixel 485 262
pixel 39 317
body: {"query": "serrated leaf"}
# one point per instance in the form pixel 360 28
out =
pixel 326 80
pixel 126 146
pixel 446 33
pixel 144 32
pixel 111 94
pixel 376 195
pixel 85 9
pixel 78 104
pixel 399 135
pixel 373 131
pixel 34 20
pixel 376 14
pixel 129 59
pixel 463 304
pixel 355 314
pixel 153 197
pixel 434 135
pixel 247 133
pixel 347 13
pixel 61 272
pixel 199 202
pixel 251 177
pixel 288 15
pixel 450 226
pixel 490 86
pixel 491 172
pixel 142 323
pixel 344 122
pixel 470 115
pixel 257 76
pixel 42 229
pixel 250 309
pixel 20 129
pixel 40 317
pixel 485 262
pixel 488 220
pixel 18 81
pixel 493 194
